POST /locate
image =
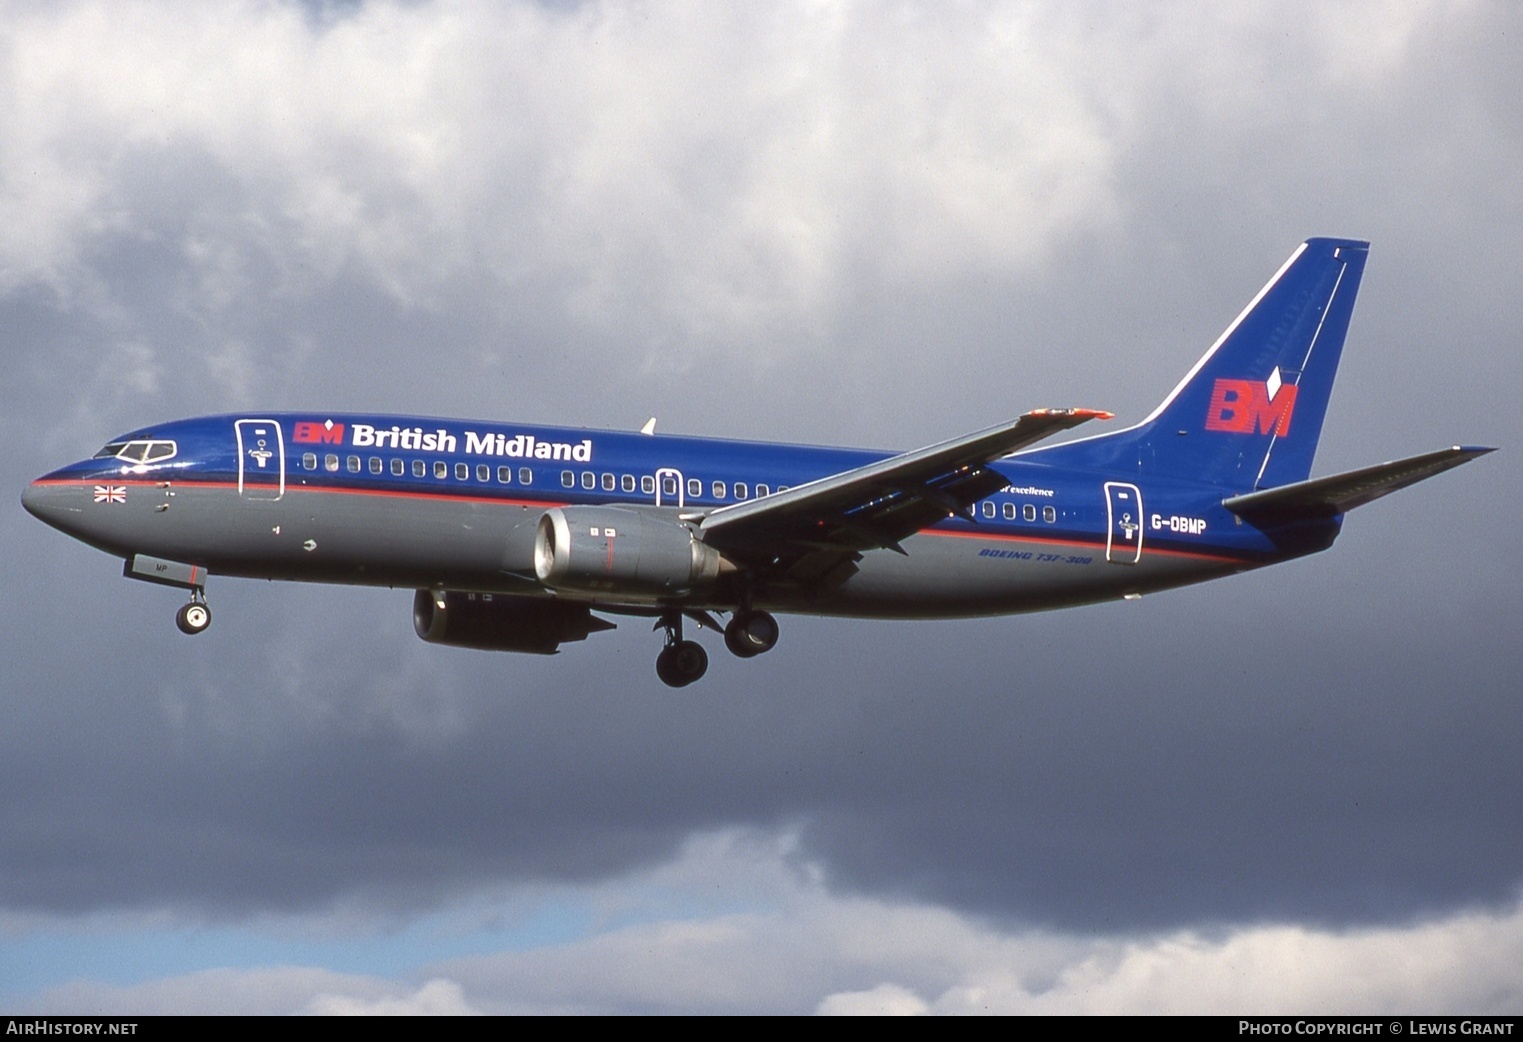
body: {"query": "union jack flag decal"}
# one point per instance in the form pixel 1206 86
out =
pixel 111 493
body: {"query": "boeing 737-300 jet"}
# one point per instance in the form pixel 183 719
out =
pixel 523 538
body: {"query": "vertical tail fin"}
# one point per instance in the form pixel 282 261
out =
pixel 1249 414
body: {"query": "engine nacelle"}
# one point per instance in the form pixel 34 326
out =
pixel 611 549
pixel 501 623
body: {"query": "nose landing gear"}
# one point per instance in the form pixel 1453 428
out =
pixel 192 618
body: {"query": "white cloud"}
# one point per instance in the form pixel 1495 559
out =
pixel 886 1000
pixel 437 998
pixel 1462 964
pixel 720 168
pixel 692 178
pixel 691 183
pixel 799 948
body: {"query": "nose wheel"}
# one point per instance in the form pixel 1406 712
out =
pixel 194 617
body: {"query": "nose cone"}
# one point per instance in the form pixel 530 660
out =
pixel 78 503
pixel 50 503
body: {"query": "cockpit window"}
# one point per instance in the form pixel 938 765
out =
pixel 146 450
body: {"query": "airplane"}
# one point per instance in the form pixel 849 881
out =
pixel 514 535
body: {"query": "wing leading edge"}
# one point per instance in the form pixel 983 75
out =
pixel 813 528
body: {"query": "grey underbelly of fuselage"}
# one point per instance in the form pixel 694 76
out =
pixel 486 546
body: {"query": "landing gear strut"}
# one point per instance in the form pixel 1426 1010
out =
pixel 682 661
pixel 750 633
pixel 194 617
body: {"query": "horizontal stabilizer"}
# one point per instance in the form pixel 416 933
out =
pixel 1343 492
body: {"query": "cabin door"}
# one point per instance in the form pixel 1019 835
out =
pixel 261 459
pixel 669 487
pixel 1123 528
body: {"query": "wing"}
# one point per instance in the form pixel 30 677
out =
pixel 813 530
pixel 1343 492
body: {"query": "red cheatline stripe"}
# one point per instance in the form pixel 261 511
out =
pixel 326 489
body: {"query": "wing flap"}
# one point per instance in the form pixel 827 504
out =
pixel 1343 492
pixel 875 506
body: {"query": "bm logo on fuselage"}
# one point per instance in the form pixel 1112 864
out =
pixel 1250 407
pixel 327 433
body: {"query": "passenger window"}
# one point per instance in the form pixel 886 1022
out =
pixel 375 464
pixel 398 467
pixel 719 490
pixel 568 479
pixel 589 479
pixel 740 490
pixel 525 476
pixel 609 481
pixel 762 490
pixel 988 509
pixel 483 472
pixel 627 483
pixel 462 472
pixel 419 469
pixel 647 484
pixel 668 486
pixel 441 469
pixel 1009 511
pixel 1029 512
pixel 782 488
pixel 1049 514
pixel 694 487
pixel 309 461
pixel 505 475
pixel 354 464
pixel 330 463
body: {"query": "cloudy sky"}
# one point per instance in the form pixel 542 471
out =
pixel 870 224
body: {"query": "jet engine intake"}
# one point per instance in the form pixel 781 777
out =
pixel 491 622
pixel 612 549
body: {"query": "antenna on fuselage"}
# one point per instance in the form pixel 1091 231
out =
pixel 650 426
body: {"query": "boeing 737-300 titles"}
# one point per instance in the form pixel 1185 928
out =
pixel 523 538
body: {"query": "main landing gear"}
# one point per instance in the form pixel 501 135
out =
pixel 681 662
pixel 194 617
pixel 750 633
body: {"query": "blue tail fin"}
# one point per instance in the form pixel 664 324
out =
pixel 1249 414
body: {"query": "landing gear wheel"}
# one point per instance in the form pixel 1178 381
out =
pixel 193 618
pixel 681 663
pixel 750 633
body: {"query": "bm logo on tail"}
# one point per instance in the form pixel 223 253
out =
pixel 1246 407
